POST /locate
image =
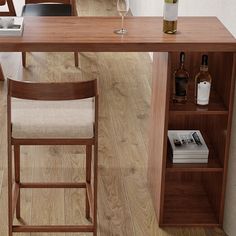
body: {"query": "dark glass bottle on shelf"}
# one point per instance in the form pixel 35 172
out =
pixel 180 83
pixel 203 83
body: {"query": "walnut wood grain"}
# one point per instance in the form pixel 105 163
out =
pixel 2 2
pixel 186 202
pixel 124 202
pixel 46 1
pixel 158 131
pixel 53 91
pixel 54 228
pixel 1 73
pixel 96 34
pixel 72 3
pixel 50 91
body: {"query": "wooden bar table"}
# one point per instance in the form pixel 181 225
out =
pixel 184 194
pixel 95 34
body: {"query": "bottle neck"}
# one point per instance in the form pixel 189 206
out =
pixel 203 68
pixel 181 60
pixel 204 65
pixel 181 65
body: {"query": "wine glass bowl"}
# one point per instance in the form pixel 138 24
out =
pixel 122 8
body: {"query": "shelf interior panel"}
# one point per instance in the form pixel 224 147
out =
pixel 213 165
pixel 220 68
pixel 216 106
pixel 213 129
pixel 187 203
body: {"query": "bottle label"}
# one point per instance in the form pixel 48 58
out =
pixel 170 11
pixel 181 86
pixel 203 92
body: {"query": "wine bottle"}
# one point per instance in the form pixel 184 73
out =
pixel 203 83
pixel 180 83
pixel 170 16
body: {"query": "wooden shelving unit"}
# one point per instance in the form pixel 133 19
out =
pixel 191 194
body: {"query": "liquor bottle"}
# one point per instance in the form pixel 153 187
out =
pixel 180 85
pixel 170 16
pixel 203 83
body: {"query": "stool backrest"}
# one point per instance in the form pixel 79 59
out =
pixel 71 2
pixel 2 2
pixel 52 91
pixel 48 1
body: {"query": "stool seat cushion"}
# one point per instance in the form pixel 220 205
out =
pixel 47 10
pixel 53 119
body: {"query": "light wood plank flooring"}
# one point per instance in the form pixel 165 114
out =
pixel 124 204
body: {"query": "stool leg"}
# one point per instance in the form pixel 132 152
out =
pixel 23 56
pixel 95 171
pixel 88 177
pixel 17 176
pixel 77 62
pixel 1 73
pixel 10 217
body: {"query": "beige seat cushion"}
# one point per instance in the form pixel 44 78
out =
pixel 52 119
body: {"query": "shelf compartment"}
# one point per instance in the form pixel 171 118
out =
pixel 220 68
pixel 213 165
pixel 187 203
pixel 213 129
pixel 215 107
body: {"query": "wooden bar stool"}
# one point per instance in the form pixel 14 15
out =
pixel 49 8
pixel 10 12
pixel 43 8
pixel 52 114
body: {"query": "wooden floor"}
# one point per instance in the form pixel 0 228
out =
pixel 124 204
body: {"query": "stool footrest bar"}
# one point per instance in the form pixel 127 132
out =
pixel 53 185
pixel 53 228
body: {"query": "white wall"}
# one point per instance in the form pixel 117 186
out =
pixel 227 14
pixel 146 8
pixel 225 10
pixel 186 7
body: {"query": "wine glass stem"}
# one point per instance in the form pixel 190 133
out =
pixel 122 22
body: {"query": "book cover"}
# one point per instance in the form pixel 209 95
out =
pixel 187 143
pixel 190 161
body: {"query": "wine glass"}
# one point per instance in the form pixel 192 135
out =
pixel 122 8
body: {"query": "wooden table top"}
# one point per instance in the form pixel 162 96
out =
pixel 95 34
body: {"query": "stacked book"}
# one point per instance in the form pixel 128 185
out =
pixel 187 146
pixel 11 26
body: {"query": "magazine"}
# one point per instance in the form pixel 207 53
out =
pixel 186 145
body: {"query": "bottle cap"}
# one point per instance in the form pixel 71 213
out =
pixel 205 60
pixel 171 1
pixel 182 57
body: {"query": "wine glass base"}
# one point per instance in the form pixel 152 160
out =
pixel 121 31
